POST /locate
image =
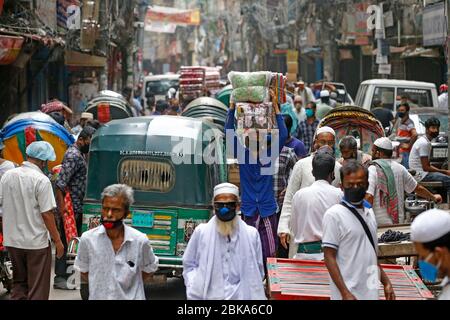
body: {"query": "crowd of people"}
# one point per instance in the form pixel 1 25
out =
pixel 312 206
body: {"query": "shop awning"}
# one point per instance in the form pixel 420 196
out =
pixel 10 47
pixel 421 53
pixel 47 40
pixel 393 50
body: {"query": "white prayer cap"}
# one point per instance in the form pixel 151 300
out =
pixel 384 143
pixel 325 130
pixel 324 94
pixel 430 226
pixel 226 188
pixel 87 115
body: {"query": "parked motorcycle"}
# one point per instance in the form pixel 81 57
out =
pixel 5 267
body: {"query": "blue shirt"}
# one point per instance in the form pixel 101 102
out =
pixel 298 146
pixel 256 188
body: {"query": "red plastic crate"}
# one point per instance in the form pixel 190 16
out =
pixel 310 280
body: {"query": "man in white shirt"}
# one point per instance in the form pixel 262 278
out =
pixel 115 260
pixel 299 109
pixel 350 242
pixel 419 159
pixel 305 92
pixel 26 195
pixel 310 205
pixel 430 233
pixel 388 181
pixel 223 259
pixel 302 177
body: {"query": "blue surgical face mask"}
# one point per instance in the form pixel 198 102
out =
pixel 309 113
pixel 428 271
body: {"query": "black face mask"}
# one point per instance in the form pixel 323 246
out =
pixel 434 135
pixel 225 213
pixel 85 148
pixel 110 225
pixel 401 115
pixel 355 195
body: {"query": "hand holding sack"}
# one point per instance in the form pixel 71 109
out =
pixel 255 94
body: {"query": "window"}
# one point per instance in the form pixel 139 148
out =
pixel 416 97
pixel 386 96
pixel 360 96
pixel 147 175
pixel 160 87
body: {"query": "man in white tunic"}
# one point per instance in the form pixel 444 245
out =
pixel 223 259
pixel 386 174
pixel 350 242
pixel 302 177
pixel 310 205
pixel 430 232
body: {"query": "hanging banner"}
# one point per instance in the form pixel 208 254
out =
pixel 173 15
pixel 160 27
pixel 385 69
pixel 434 25
pixel 68 14
pixel 9 49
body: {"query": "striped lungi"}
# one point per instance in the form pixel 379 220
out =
pixel 267 228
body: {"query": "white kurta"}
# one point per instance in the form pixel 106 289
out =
pixel 218 268
pixel 309 207
pixel 301 177
pixel 404 182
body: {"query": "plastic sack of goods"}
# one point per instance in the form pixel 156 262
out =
pixel 251 94
pixel 249 79
pixel 254 86
pixel 253 117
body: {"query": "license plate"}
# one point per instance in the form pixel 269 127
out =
pixel 440 153
pixel 142 219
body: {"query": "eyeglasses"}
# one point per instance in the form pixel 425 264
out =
pixel 229 205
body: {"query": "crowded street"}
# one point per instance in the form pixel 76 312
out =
pixel 227 150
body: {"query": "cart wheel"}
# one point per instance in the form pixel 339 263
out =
pixel 84 291
pixel 7 285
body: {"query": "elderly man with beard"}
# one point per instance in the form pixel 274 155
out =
pixel 223 259
pixel 302 177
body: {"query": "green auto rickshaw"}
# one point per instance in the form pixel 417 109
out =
pixel 173 164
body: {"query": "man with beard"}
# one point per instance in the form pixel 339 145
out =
pixel 388 182
pixel 302 177
pixel 72 178
pixel 223 259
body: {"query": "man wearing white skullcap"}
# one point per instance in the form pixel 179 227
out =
pixel 302 177
pixel 26 196
pixel 223 259
pixel 325 105
pixel 430 232
pixel 388 182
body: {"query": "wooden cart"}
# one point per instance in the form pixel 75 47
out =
pixel 310 280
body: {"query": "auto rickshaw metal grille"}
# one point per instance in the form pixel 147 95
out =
pixel 147 175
